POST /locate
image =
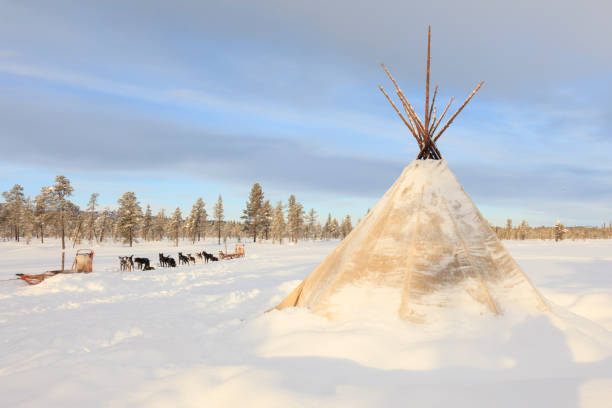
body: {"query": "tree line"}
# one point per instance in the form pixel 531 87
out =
pixel 52 214
pixel 558 232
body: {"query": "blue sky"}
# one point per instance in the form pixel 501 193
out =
pixel 186 99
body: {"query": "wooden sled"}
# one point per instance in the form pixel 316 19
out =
pixel 238 252
pixel 35 279
pixel 83 262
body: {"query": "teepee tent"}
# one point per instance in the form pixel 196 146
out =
pixel 424 245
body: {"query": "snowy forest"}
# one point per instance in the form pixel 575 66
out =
pixel 557 232
pixel 52 214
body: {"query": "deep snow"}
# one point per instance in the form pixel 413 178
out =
pixel 197 336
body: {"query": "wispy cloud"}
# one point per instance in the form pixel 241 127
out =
pixel 286 91
pixel 143 145
pixel 346 120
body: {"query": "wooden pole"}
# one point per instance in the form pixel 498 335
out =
pixel 459 110
pixel 415 122
pixel 433 120
pixel 400 115
pixel 433 130
pixel 427 80
pixel 399 92
pixel 424 131
pixel 430 151
pixel 410 110
pixel 402 97
pixel 432 107
pixel 391 77
pixel 396 109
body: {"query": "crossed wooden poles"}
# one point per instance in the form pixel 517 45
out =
pixel 425 131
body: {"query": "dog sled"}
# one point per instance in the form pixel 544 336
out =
pixel 238 252
pixel 35 279
pixel 83 263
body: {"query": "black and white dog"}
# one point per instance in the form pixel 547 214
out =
pixel 182 259
pixel 126 263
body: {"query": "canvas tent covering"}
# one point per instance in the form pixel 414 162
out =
pixel 424 245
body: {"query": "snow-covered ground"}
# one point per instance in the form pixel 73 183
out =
pixel 197 336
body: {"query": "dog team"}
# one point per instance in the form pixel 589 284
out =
pixel 127 263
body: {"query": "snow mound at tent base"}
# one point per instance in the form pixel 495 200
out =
pixel 516 341
pixel 457 301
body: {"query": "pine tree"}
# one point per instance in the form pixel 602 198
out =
pixel 295 218
pixel 334 229
pixel 196 220
pixel 319 231
pixel 219 217
pixel 91 208
pixel 73 216
pixel 147 224
pixel 3 218
pixel 227 231
pixel 327 227
pixel 61 190
pixel 346 227
pixel 159 224
pixel 114 227
pixel 78 230
pixel 128 217
pixel 523 230
pixel 252 212
pixel 237 231
pixel 103 223
pixel 15 201
pixel 28 219
pixel 42 211
pixel 267 213
pixel 311 220
pixel 174 225
pixel 278 223
pixel 559 231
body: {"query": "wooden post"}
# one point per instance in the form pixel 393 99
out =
pixel 401 116
pixel 407 106
pixel 459 110
pixel 415 118
pixel 427 80
pixel 433 130
pixel 432 107
pixel 433 119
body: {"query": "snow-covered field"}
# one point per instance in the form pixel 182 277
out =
pixel 197 336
